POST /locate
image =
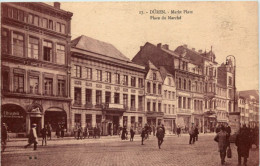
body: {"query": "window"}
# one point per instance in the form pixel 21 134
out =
pixel 98 97
pixel 34 84
pixel 58 27
pixel 229 80
pixel 189 103
pixel 154 76
pixel 184 84
pixel 18 82
pixel 30 19
pixel 159 107
pixel 99 75
pixel 108 97
pixel 140 83
pixel 62 28
pixel 148 106
pixel 196 86
pixel 133 101
pixel 117 78
pixel 201 87
pixel 173 109
pixel 154 88
pixel 47 51
pixel 169 94
pixel 77 71
pixel 165 108
pixel 108 77
pixel 18 45
pixel 125 82
pixel 15 13
pixel 50 24
pixel 61 88
pixel 169 81
pixel 189 86
pixel 117 98
pixel 48 84
pixel 173 95
pixel 140 102
pixel 169 109
pixel 60 54
pixel 36 20
pixel 179 102
pixel 125 100
pixel 88 120
pixel 179 83
pixel 45 23
pixel 165 94
pixel 10 12
pixel 160 89
pixel 5 80
pixel 133 81
pixel 33 48
pixel 148 87
pixel 88 96
pixel 77 119
pixel 5 41
pixel 184 102
pixel 89 73
pixel 154 107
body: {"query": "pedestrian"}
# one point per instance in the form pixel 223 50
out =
pixel 143 133
pixel 79 132
pixel 44 133
pixel 196 133
pixel 58 131
pixel 3 136
pixel 98 132
pixel 132 133
pixel 120 131
pixel 153 130
pixel 178 131
pixel 49 129
pixel 62 131
pixel 32 137
pixel 123 136
pixel 243 145
pixel 191 132
pixel 222 140
pixel 94 132
pixel 218 129
pixel 228 130
pixel 160 135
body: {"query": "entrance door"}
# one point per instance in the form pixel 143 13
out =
pixel 37 121
pixel 115 124
pixel 55 117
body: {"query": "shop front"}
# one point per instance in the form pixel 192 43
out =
pixel 56 117
pixel 184 122
pixel 154 118
pixel 210 121
pixel 169 124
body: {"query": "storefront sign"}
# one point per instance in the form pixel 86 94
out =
pixel 118 106
pixel 15 114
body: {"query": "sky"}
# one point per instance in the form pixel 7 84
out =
pixel 231 28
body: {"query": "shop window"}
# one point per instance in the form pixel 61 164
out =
pixel 108 77
pixel 77 96
pixel 108 97
pixel 98 120
pixel 133 81
pixel 132 101
pixel 61 88
pixel 33 48
pixel 125 80
pixel 48 86
pixel 77 71
pixel 98 97
pixel 88 120
pixel 88 96
pixel 18 83
pixel 117 78
pixel 89 73
pixel 47 51
pixel 117 98
pixel 34 84
pixel 125 100
pixel 77 119
pixel 99 75
pixel 18 45
pixel 60 54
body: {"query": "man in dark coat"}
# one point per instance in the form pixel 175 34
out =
pixel 221 138
pixel 160 135
pixel 49 130
pixel 3 135
pixel 44 133
pixel 228 130
pixel 143 135
pixel 192 133
pixel 196 133
pixel 132 134
pixel 178 131
pixel 243 144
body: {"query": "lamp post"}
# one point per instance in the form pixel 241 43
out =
pixel 234 72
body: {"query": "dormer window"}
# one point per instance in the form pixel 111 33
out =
pixel 154 76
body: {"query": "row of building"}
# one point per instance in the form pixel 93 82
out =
pixel 49 78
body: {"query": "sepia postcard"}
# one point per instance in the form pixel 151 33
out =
pixel 167 83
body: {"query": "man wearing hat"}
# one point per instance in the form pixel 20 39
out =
pixel 32 137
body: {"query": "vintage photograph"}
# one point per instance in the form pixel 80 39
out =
pixel 130 83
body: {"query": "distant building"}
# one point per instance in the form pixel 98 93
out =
pixel 35 46
pixel 107 88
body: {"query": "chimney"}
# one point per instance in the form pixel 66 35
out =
pixel 166 46
pixel 159 45
pixel 57 5
pixel 193 49
pixel 185 45
pixel 200 51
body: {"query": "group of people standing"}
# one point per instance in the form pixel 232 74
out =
pixel 80 132
pixel 194 134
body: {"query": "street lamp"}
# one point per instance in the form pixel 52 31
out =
pixel 234 78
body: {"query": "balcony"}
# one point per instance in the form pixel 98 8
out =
pixel 113 108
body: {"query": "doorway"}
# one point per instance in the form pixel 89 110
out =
pixel 115 124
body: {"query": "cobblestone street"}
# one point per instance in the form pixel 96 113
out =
pixel 113 151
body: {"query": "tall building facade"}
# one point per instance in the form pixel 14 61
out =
pixel 107 88
pixel 35 41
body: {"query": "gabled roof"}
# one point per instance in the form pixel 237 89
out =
pixel 151 66
pixel 98 47
pixel 249 94
pixel 194 56
pixel 164 72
